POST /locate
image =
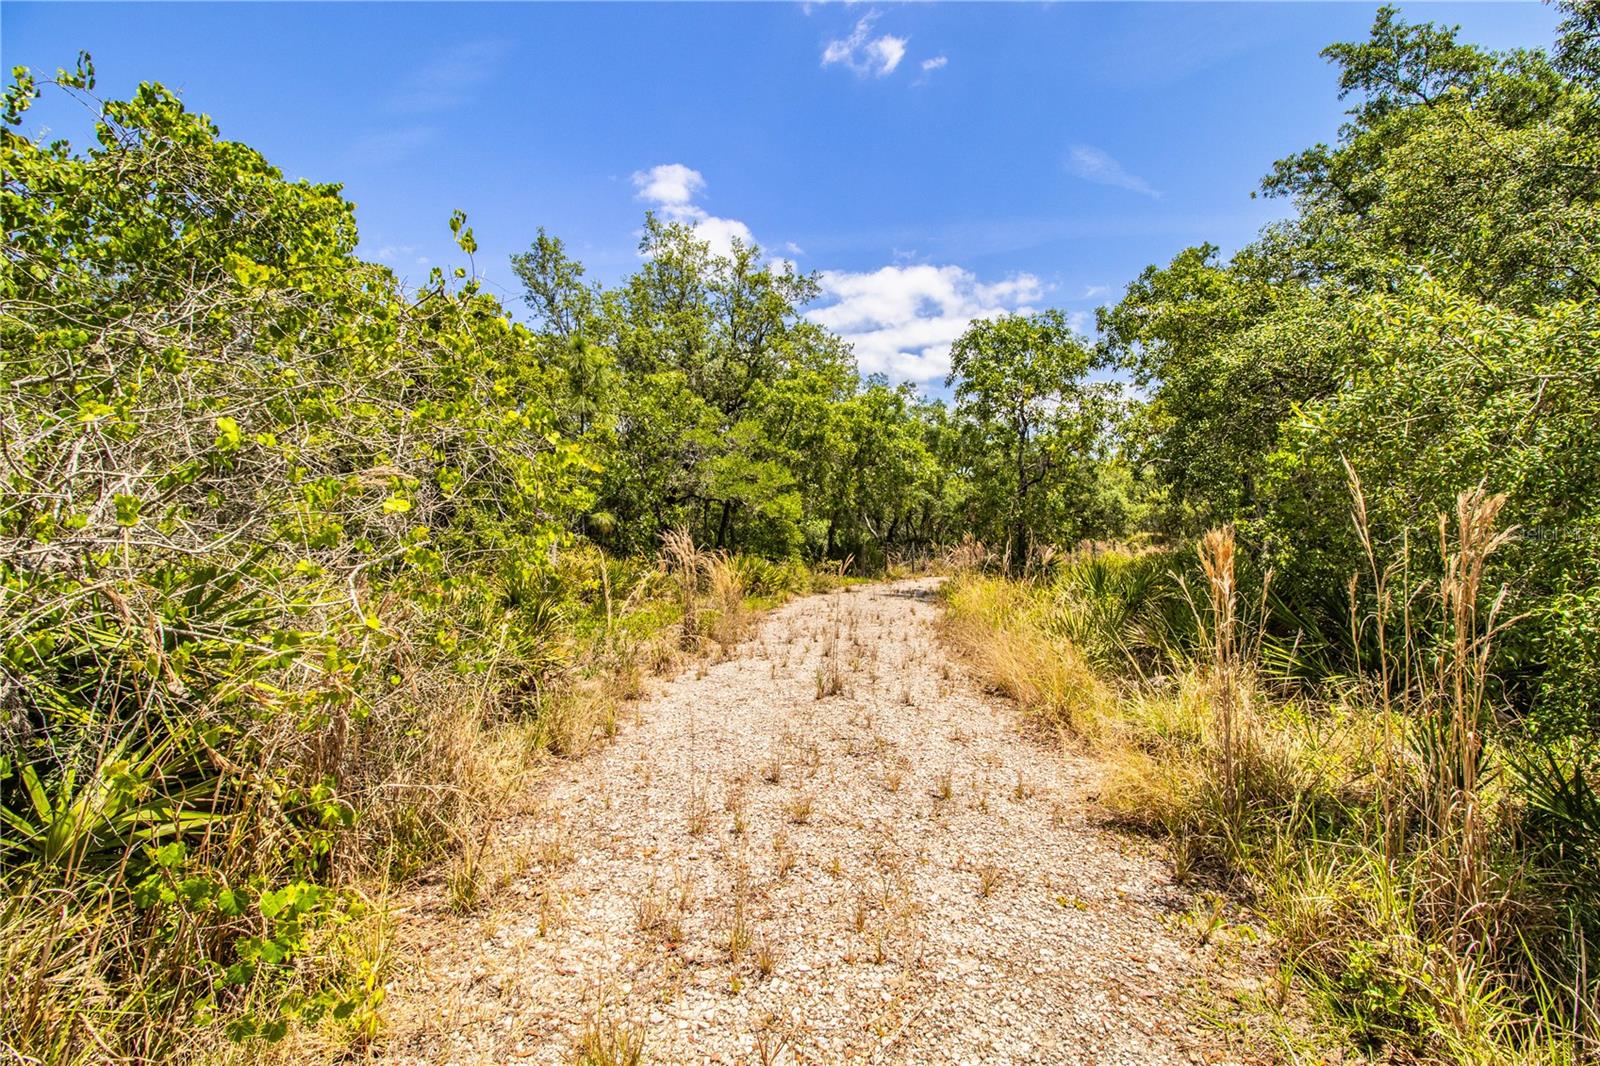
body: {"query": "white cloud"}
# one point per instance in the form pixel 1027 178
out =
pixel 902 320
pixel 929 65
pixel 887 52
pixel 1091 164
pixel 720 233
pixel 670 185
pixel 671 189
pixel 865 54
pixel 1094 292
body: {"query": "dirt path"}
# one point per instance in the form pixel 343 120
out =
pixel 755 873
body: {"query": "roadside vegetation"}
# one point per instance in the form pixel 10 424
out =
pixel 1347 663
pixel 304 572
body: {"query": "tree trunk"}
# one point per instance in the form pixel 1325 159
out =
pixel 1019 533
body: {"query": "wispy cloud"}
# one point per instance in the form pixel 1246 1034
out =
pixel 1091 164
pixel 451 78
pixel 391 146
pixel 400 254
pixel 928 67
pixel 863 53
pixel 903 320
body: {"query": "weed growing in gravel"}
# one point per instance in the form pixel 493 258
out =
pixel 830 679
pixel 554 849
pixel 697 813
pixel 783 857
pixel 738 936
pixel 734 804
pixel 552 908
pixel 766 957
pixel 684 891
pixel 650 911
pixel 860 912
pixel 464 883
pixel 772 769
pixel 772 1040
pixel 659 914
pixel 1208 916
pixel 610 1042
pixel 799 808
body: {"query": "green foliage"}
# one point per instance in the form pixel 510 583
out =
pixel 1127 610
pixel 1423 325
pixel 1032 430
pixel 245 477
pixel 1426 317
pixel 710 403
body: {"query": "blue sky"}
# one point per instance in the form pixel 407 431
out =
pixel 935 162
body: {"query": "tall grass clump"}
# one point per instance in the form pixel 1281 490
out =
pixel 712 589
pixel 1229 686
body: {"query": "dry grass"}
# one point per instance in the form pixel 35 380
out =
pixel 1001 631
pixel 710 592
pixel 697 811
pixel 610 1042
pixel 733 619
pixel 1230 688
pixel 829 677
pixel 799 808
pixel 686 563
pixel 766 956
